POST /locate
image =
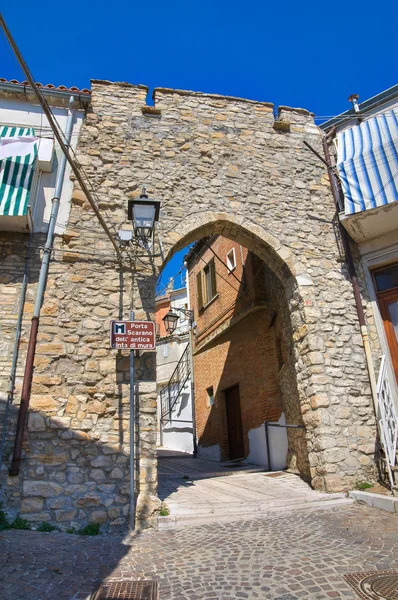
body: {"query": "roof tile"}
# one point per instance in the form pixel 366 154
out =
pixel 48 86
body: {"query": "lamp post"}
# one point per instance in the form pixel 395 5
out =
pixel 144 212
pixel 170 321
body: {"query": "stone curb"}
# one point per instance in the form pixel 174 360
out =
pixel 387 503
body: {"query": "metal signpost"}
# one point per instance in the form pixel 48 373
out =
pixel 132 335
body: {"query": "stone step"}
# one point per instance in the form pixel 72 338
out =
pixel 250 512
pixel 247 505
pixel 211 474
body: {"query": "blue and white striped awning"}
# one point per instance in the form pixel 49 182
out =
pixel 16 171
pixel 367 162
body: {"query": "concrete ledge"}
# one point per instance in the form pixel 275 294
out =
pixel 388 503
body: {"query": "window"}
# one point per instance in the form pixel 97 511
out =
pixel 231 260
pixel 165 350
pixel 387 278
pixel 206 284
pixel 210 396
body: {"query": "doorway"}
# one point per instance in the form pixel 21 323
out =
pixel 234 423
pixel 386 282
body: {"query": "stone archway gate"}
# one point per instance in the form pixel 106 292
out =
pixel 219 165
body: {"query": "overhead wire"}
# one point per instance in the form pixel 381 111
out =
pixel 159 293
pixel 218 273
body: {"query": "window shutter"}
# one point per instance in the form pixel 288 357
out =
pixel 213 279
pixel 199 289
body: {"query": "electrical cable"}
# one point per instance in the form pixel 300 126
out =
pixel 217 272
pixel 159 293
pixel 239 295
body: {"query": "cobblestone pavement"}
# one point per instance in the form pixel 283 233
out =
pixel 285 557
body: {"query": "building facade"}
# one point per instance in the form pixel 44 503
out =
pixel 221 166
pixel 29 168
pixel 364 146
pixel 238 355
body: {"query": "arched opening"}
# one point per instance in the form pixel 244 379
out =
pixel 240 284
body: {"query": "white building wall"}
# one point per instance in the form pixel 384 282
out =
pixel 17 113
pixel 176 434
pixel 278 445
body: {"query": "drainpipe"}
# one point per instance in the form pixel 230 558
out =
pixel 10 392
pixel 191 325
pixel 27 383
pixel 353 276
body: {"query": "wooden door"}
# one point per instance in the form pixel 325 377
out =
pixel 388 303
pixel 234 422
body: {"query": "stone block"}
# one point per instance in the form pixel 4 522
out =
pixel 97 475
pixel 53 349
pixel 90 499
pixel 46 489
pixel 319 401
pixel 78 197
pixel 98 516
pixel 45 403
pixel 75 477
pixel 55 503
pixel 101 461
pixel 38 517
pixel 36 422
pixel 65 515
pixel 31 505
pixel 60 422
pixel 116 473
pixel 50 459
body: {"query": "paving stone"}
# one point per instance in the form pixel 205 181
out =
pixel 285 557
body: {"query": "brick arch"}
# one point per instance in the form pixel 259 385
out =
pixel 254 237
pixel 288 302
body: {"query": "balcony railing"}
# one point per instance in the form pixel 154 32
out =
pixel 388 421
pixel 171 393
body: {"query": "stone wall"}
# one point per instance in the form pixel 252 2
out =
pixel 219 165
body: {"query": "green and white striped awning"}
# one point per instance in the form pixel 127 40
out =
pixel 16 175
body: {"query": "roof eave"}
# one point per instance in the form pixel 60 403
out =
pixel 365 107
pixel 62 95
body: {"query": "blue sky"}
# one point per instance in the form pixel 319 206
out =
pixel 310 54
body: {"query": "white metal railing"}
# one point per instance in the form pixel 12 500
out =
pixel 388 420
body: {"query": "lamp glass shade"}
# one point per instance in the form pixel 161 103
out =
pixel 170 321
pixel 144 216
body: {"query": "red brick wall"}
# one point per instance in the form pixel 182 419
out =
pixel 233 345
pixel 236 291
pixel 245 355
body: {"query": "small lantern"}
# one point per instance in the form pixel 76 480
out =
pixel 170 322
pixel 144 212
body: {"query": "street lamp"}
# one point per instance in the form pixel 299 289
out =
pixel 144 212
pixel 170 320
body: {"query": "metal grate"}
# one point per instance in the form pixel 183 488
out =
pixel 374 585
pixel 128 590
